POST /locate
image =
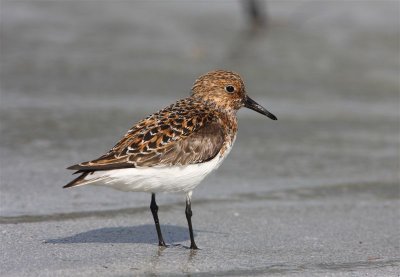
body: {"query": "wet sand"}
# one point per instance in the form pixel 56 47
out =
pixel 315 193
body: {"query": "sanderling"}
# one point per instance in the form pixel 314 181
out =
pixel 174 149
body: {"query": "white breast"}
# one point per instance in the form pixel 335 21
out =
pixel 156 179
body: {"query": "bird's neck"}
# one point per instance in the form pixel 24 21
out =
pixel 225 110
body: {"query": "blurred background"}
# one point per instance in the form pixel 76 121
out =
pixel 75 75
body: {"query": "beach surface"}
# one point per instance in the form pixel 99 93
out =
pixel 315 193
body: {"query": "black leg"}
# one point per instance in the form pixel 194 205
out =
pixel 188 212
pixel 154 210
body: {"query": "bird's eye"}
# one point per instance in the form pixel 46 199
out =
pixel 230 89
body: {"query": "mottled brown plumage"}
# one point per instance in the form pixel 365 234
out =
pixel 192 130
pixel 184 133
pixel 176 148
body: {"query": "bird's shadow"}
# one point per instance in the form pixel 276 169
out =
pixel 127 234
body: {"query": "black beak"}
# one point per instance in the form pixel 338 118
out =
pixel 251 104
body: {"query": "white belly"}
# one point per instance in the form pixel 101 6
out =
pixel 156 179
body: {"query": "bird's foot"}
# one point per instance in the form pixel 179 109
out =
pixel 192 246
pixel 162 244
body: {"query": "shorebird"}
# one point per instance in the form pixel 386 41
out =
pixel 174 149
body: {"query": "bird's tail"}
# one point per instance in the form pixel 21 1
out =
pixel 79 181
pixel 85 178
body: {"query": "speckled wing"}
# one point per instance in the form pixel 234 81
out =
pixel 181 134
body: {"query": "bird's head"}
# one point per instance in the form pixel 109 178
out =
pixel 226 90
